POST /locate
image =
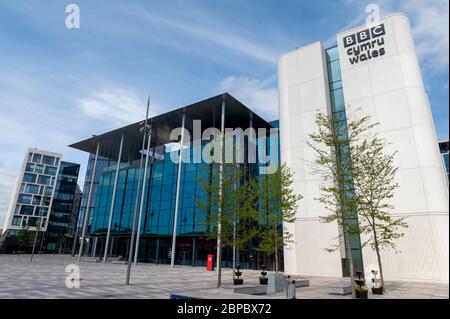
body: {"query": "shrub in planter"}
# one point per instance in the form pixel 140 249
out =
pixel 361 292
pixel 263 280
pixel 238 281
pixel 377 290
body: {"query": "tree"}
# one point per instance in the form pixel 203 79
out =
pixel 331 145
pixel 278 204
pixel 231 202
pixel 24 237
pixel 374 180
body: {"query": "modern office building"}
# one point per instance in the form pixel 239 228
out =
pixel 373 70
pixel 114 189
pixel 41 199
pixel 64 210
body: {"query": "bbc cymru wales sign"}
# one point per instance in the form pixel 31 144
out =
pixel 365 45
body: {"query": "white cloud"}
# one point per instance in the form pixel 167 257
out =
pixel 430 25
pixel 114 105
pixel 258 95
pixel 7 180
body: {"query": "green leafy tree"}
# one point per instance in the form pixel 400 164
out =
pixel 278 205
pixel 374 180
pixel 331 144
pixel 24 236
pixel 231 202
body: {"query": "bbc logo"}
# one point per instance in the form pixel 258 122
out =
pixel 364 35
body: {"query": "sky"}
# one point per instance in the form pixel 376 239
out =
pixel 60 85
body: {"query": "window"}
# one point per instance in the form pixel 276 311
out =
pixel 39 168
pixel 24 199
pixel 31 188
pixel 50 170
pixel 26 210
pixel 37 158
pixel 48 191
pixel 41 211
pixel 46 201
pixel 30 156
pixel 50 160
pixel 44 180
pixel 37 200
pixel 30 178
pixel 29 167
pixel 16 221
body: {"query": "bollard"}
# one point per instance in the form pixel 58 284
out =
pixel 291 290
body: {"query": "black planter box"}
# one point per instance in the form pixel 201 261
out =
pixel 377 291
pixel 238 281
pixel 263 281
pixel 361 294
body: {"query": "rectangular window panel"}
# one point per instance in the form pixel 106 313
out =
pixel 50 170
pixel 29 178
pixel 31 188
pixel 24 199
pixel 37 158
pixel 17 221
pixel 49 160
pixel 30 167
pixel 44 180
pixel 37 200
pixel 26 210
pixel 39 168
pixel 48 191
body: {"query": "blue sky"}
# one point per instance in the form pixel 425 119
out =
pixel 60 85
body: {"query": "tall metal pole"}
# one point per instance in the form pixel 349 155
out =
pixel 94 250
pixel 74 244
pixel 133 229
pixel 177 195
pixel 142 193
pixel 113 200
pixel 35 238
pixel 219 213
pixel 86 214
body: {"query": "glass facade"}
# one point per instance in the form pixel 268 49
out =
pixel 156 228
pixel 340 118
pixel 59 234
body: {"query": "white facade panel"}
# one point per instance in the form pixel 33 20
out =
pixel 302 81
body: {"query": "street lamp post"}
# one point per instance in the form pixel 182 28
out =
pixel 35 238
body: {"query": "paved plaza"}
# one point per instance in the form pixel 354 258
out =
pixel 45 277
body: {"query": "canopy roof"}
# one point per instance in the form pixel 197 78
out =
pixel 208 111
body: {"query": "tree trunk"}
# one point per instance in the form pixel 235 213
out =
pixel 276 248
pixel 350 257
pixel 380 266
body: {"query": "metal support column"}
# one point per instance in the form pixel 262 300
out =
pixel 149 132
pixel 95 247
pixel 177 195
pixel 133 228
pixel 113 200
pixel 219 213
pixel 86 213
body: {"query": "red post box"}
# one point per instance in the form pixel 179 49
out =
pixel 210 263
